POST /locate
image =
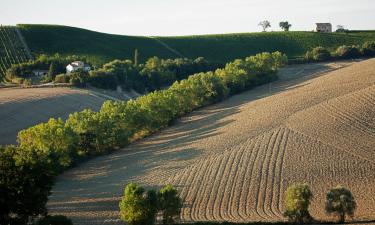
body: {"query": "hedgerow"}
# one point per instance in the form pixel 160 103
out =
pixel 60 144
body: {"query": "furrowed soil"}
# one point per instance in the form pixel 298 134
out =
pixel 234 160
pixel 21 108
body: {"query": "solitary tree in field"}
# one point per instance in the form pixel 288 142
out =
pixel 169 204
pixel 340 202
pixel 138 207
pixel 297 201
pixel 265 24
pixel 285 25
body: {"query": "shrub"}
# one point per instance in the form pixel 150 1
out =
pixel 318 54
pixel 297 202
pixel 138 207
pixel 54 220
pixel 340 201
pixel 348 52
pixel 79 78
pixel 170 204
pixel 24 186
pixel 368 48
pixel 62 78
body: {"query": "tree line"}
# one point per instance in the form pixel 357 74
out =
pixel 320 54
pixel 28 170
pixel 154 74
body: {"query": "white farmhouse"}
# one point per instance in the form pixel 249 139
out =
pixel 323 27
pixel 77 65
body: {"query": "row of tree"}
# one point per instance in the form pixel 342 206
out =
pixel 343 52
pixel 154 74
pixel 339 202
pixel 47 149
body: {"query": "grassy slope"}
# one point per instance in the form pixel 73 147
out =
pixel 100 47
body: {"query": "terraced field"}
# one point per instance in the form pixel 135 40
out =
pixel 21 108
pixel 234 160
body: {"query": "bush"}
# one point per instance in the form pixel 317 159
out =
pixel 170 204
pixel 340 201
pixel 79 78
pixel 54 220
pixel 368 49
pixel 24 186
pixel 348 52
pixel 297 202
pixel 62 78
pixel 318 54
pixel 138 207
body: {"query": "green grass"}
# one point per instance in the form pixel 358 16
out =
pixel 100 47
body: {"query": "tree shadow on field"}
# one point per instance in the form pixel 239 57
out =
pixel 90 193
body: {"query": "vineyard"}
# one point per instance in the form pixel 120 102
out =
pixel 12 50
pixel 99 48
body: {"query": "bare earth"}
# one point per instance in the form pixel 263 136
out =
pixel 21 108
pixel 234 160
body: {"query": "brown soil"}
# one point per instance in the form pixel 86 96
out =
pixel 233 160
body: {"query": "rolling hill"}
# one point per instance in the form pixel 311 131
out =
pixel 21 108
pixel 234 160
pixel 12 49
pixel 101 47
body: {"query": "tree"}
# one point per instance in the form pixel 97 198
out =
pixel 340 201
pixel 79 78
pixel 348 52
pixel 285 25
pixel 340 28
pixel 368 48
pixel 318 54
pixel 138 207
pixel 24 186
pixel 265 24
pixel 52 72
pixel 297 201
pixel 170 204
pixel 52 142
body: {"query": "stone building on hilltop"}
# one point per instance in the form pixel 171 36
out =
pixel 323 27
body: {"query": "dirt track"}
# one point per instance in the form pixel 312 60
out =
pixel 233 161
pixel 21 108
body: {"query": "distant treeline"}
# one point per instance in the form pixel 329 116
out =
pixel 27 171
pixel 154 74
pixel 320 54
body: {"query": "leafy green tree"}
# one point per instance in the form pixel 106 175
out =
pixel 24 186
pixel 79 78
pixel 285 25
pixel 265 25
pixel 340 201
pixel 368 48
pixel 297 202
pixel 348 52
pixel 52 142
pixel 318 54
pixel 52 72
pixel 138 207
pixel 170 204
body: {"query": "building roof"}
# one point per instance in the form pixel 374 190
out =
pixel 323 24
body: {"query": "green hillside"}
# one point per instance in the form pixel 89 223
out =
pixel 100 47
pixel 11 49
